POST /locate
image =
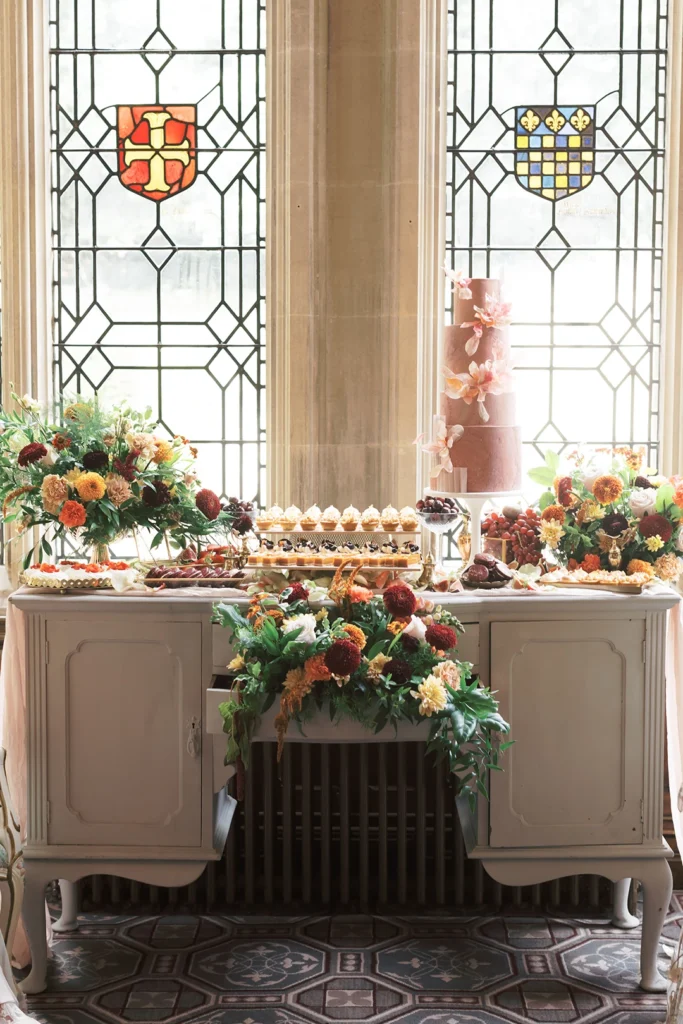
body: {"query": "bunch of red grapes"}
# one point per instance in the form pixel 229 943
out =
pixel 521 528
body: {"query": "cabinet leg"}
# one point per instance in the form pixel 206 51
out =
pixel 68 920
pixel 655 877
pixel 621 918
pixel 34 922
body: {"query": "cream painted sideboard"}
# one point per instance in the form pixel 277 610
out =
pixel 122 721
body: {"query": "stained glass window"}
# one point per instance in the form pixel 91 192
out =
pixel 162 302
pixel 556 132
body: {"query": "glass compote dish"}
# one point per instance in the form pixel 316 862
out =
pixel 438 516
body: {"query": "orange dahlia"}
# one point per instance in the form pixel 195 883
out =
pixel 590 563
pixel 72 514
pixel 678 495
pixel 555 512
pixel 355 635
pixel 607 489
pixel 91 487
pixel 638 565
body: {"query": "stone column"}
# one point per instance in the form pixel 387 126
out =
pixel 24 212
pixel 349 313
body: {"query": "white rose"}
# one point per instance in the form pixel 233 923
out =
pixel 49 459
pixel 679 539
pixel 307 621
pixel 642 500
pixel 416 628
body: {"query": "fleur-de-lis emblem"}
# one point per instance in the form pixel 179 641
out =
pixel 580 120
pixel 555 120
pixel 530 121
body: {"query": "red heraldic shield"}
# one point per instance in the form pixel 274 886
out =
pixel 157 149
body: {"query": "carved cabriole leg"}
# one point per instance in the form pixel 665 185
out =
pixel 34 922
pixel 655 877
pixel 16 886
pixel 68 920
pixel 621 917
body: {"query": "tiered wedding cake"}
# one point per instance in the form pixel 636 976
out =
pixel 478 398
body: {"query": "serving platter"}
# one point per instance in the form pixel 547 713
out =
pixel 611 588
pixel 62 584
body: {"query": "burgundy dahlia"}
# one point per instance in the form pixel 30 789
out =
pixel 342 658
pixel 642 481
pixel 157 495
pixel 614 524
pixel 399 670
pixel 442 638
pixel 400 600
pixel 31 453
pixel 652 526
pixel 295 592
pixel 208 503
pixel 95 460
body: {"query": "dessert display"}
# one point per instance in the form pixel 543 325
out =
pixel 476 445
pixel 192 575
pixel 306 554
pixel 331 520
pixel 602 579
pixel 72 575
pixel 487 573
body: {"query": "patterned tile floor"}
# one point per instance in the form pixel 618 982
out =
pixel 221 969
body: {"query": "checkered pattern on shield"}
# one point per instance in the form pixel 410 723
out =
pixel 554 149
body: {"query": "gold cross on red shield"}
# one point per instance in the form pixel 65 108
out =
pixel 157 154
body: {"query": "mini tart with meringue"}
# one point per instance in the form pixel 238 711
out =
pixel 329 519
pixel 275 513
pixel 350 517
pixel 264 520
pixel 370 518
pixel 310 518
pixel 390 518
pixel 408 518
pixel 290 518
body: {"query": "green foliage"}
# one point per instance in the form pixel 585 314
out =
pixel 269 647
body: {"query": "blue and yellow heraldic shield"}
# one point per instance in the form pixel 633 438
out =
pixel 554 149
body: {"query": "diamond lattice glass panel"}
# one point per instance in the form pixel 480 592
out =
pixel 556 133
pixel 158 213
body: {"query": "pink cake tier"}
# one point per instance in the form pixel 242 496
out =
pixel 491 452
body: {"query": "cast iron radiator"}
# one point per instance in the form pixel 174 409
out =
pixel 344 827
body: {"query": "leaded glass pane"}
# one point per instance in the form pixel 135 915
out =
pixel 572 223
pixel 159 263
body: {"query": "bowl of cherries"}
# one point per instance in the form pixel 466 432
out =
pixel 438 515
pixel 486 573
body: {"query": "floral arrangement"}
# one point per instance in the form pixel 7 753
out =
pixel 376 659
pixel 604 511
pixel 97 475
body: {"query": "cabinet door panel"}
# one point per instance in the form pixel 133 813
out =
pixel 573 693
pixel 121 698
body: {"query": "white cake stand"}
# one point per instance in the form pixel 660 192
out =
pixel 475 501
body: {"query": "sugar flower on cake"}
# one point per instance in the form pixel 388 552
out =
pixel 494 314
pixel 493 377
pixel 461 284
pixel 443 440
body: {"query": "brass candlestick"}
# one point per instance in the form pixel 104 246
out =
pixel 464 540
